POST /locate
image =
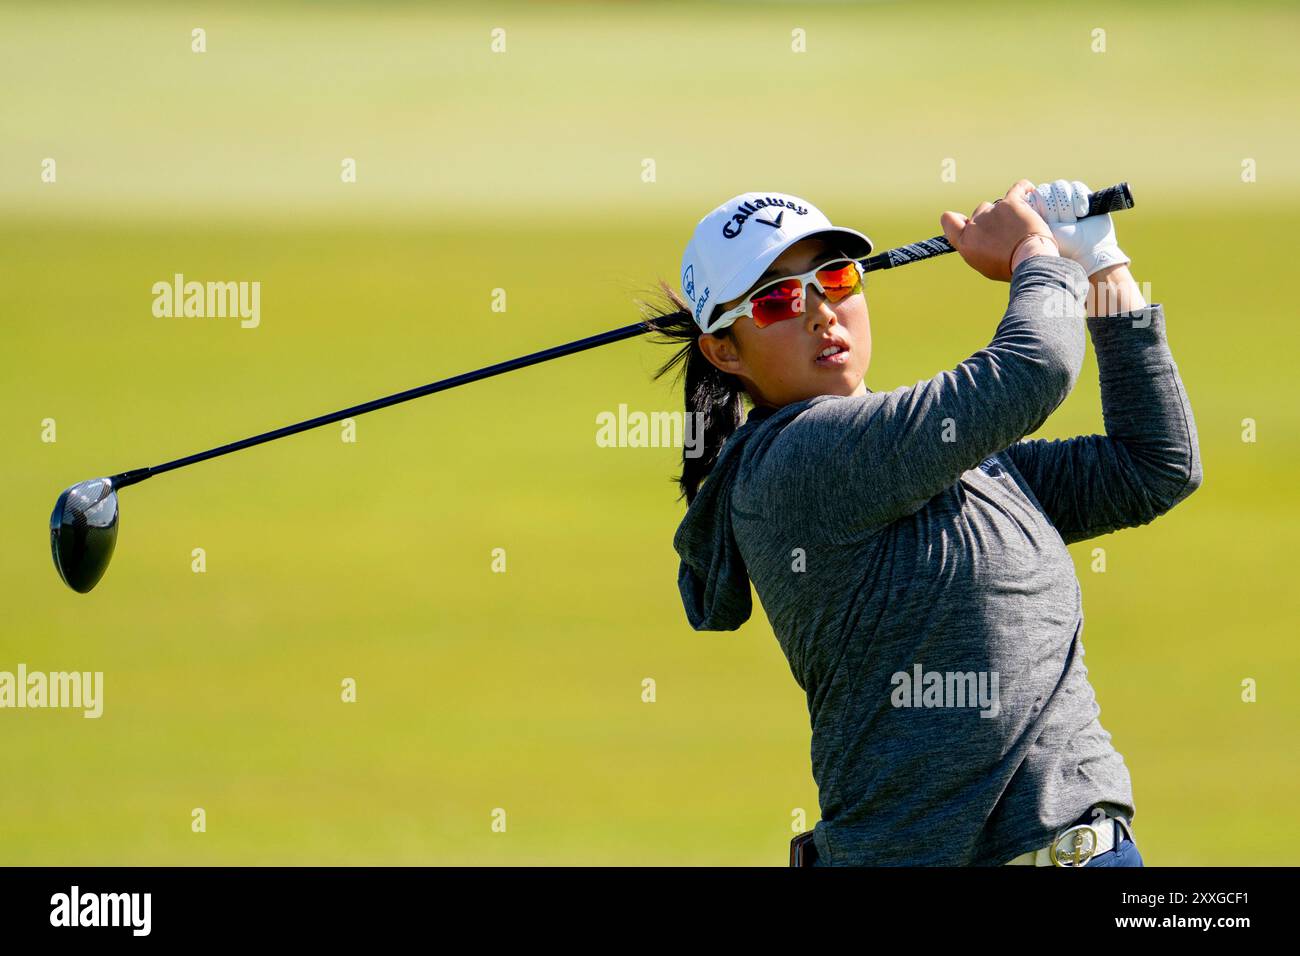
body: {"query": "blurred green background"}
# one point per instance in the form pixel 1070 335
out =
pixel 522 170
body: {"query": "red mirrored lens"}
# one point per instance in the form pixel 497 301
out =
pixel 840 281
pixel 777 303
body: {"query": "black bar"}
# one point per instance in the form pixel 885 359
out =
pixel 304 905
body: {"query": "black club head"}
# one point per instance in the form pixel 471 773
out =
pixel 83 532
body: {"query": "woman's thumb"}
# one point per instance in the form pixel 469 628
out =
pixel 952 224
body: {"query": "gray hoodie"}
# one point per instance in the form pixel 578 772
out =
pixel 909 550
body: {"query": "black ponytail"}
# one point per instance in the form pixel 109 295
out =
pixel 717 397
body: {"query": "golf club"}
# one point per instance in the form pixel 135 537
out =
pixel 84 523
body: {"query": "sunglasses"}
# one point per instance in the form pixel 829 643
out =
pixel 783 299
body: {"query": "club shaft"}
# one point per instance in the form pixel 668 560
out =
pixel 1111 199
pixel 140 474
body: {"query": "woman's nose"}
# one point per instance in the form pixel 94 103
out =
pixel 817 311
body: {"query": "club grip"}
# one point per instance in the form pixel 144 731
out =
pixel 1110 199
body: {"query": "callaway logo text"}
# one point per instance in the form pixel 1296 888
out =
pixel 731 228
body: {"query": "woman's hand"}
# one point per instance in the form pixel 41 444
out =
pixel 1090 241
pixel 998 236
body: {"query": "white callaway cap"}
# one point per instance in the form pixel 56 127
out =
pixel 733 245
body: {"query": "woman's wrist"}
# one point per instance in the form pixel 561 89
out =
pixel 1034 244
pixel 1114 291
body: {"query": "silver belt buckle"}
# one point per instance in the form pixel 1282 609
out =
pixel 1075 846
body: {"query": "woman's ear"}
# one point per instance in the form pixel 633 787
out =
pixel 721 352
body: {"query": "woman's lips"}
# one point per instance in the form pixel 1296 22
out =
pixel 838 360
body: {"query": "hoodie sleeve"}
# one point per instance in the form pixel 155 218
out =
pixel 1148 460
pixel 861 462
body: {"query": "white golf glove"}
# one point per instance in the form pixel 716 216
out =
pixel 1089 242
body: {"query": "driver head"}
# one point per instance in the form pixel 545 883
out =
pixel 83 531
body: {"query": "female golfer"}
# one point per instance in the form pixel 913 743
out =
pixel 908 546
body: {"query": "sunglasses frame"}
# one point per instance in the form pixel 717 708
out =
pixel 745 309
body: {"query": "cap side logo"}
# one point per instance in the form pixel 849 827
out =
pixel 688 282
pixel 699 306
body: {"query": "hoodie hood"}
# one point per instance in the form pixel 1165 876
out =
pixel 712 577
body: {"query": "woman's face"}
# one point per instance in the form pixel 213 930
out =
pixel 781 363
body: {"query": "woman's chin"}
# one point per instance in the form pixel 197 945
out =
pixel 845 384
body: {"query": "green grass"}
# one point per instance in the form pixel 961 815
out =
pixel 372 560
